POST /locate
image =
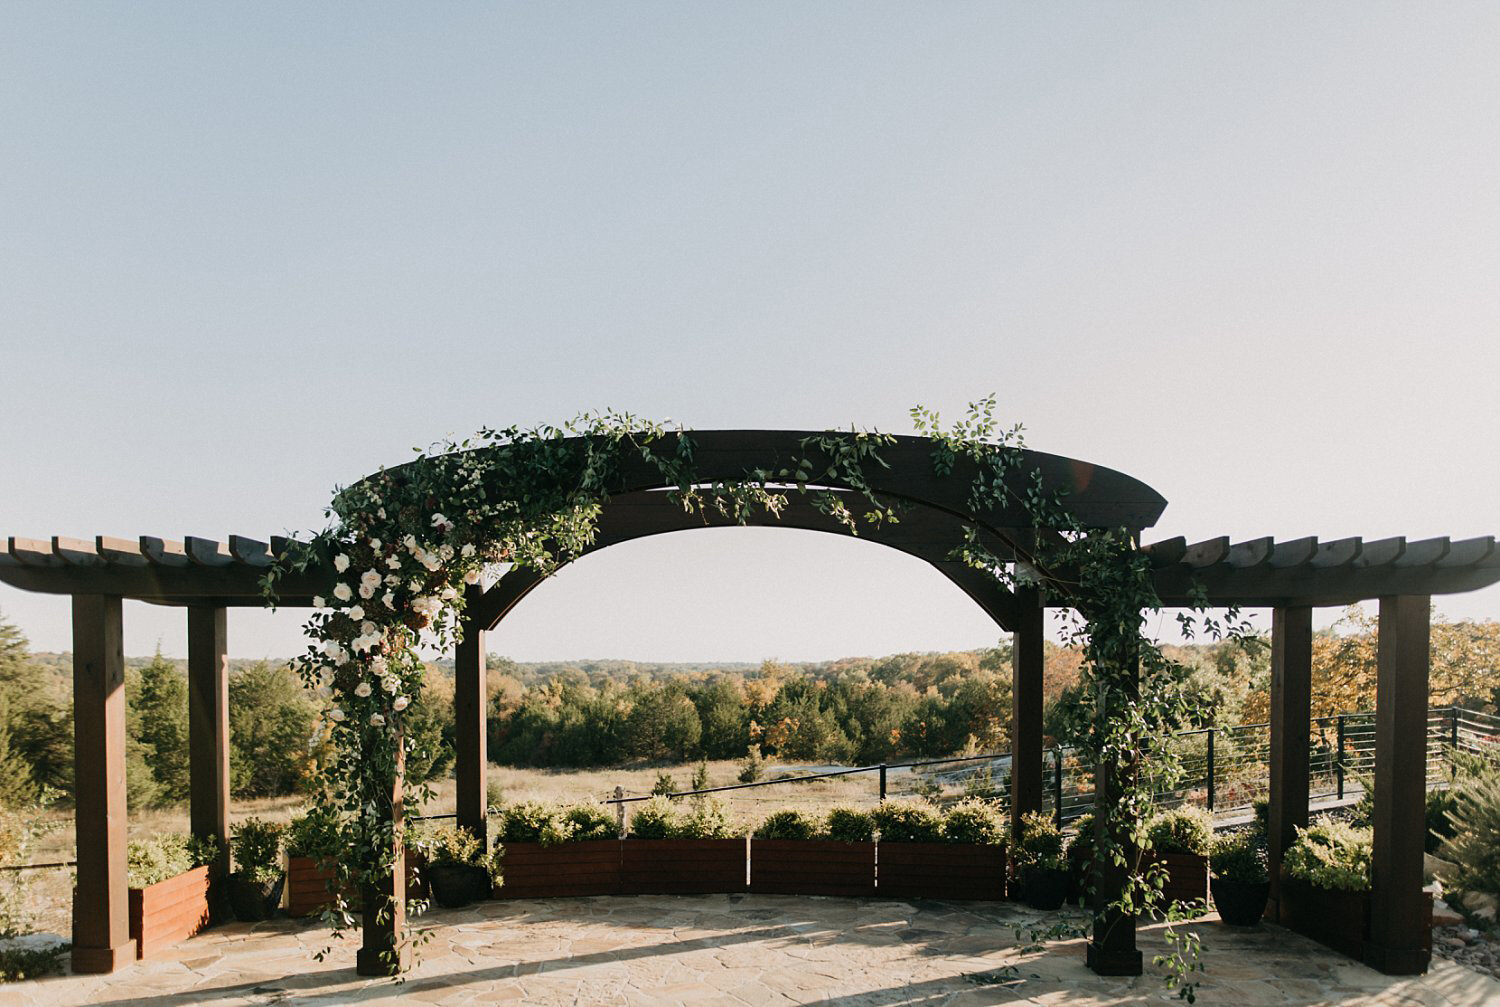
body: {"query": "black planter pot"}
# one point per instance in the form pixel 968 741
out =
pixel 480 885
pixel 453 885
pixel 253 901
pixel 1044 887
pixel 1240 903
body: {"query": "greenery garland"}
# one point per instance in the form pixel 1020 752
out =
pixel 406 542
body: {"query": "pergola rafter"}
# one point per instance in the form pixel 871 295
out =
pixel 1291 577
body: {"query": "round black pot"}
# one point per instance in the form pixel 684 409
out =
pixel 1044 887
pixel 482 887
pixel 1240 903
pixel 253 901
pixel 452 885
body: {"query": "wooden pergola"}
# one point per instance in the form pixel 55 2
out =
pixel 1290 577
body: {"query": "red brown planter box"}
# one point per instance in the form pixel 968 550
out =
pixel 307 883
pixel 1337 920
pixel 811 867
pixel 1187 878
pixel 940 871
pixel 682 866
pixel 168 911
pixel 534 871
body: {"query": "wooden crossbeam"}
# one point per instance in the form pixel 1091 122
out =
pixel 1208 552
pixel 1167 551
pixel 248 550
pixel 1468 552
pixel 1341 552
pixel 1381 552
pixel 30 552
pixel 1424 553
pixel 120 551
pixel 1294 552
pixel 207 551
pixel 163 552
pixel 1250 553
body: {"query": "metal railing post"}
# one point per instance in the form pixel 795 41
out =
pixel 1453 741
pixel 882 783
pixel 620 810
pixel 1210 769
pixel 1339 763
pixel 1057 793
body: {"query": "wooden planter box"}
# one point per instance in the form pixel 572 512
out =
pixel 811 867
pixel 307 883
pixel 940 871
pixel 681 866
pixel 1337 920
pixel 534 871
pixel 168 911
pixel 1187 878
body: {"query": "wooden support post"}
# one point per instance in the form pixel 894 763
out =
pixel 1291 702
pixel 1026 718
pixel 383 953
pixel 208 730
pixel 1398 916
pixel 101 924
pixel 1111 951
pixel 470 755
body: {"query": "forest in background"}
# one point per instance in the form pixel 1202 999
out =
pixel 614 712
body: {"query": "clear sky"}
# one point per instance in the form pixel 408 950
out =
pixel 1247 253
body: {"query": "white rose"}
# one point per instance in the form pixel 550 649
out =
pixel 335 714
pixel 366 592
pixel 446 551
pixel 331 648
pixel 341 562
pixel 362 690
pixel 377 665
pixel 369 629
pixel 392 580
pixel 430 561
pixel 389 599
pixel 410 542
pixel 343 592
pixel 472 577
pixel 357 613
pixel 390 683
pixel 374 543
pixel 394 563
pixel 449 593
pixel 319 601
pixel 400 704
pixel 415 583
pixel 438 520
pixel 380 513
pixel 370 577
pixel 467 550
pixel 376 720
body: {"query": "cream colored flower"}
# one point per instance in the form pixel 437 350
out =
pixel 341 562
pixel 376 720
pixel 319 601
pixel 336 714
pixel 362 690
pixel 390 599
pixel 400 703
pixel 357 613
pixel 343 592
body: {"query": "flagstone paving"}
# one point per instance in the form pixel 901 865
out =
pixel 740 950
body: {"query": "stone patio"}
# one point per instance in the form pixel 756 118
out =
pixel 739 950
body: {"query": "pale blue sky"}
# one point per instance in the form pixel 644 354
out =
pixel 1247 253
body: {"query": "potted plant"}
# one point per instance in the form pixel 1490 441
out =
pixel 925 854
pixel 677 851
pixel 1325 894
pixel 551 851
pixel 313 845
pixel 1239 884
pixel 457 871
pixel 1180 839
pixel 168 899
pixel 1039 858
pixel 794 853
pixel 255 886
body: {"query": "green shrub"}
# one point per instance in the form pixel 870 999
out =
pixel 654 819
pixel 1182 830
pixel 527 822
pixel 591 822
pixel 1475 844
pixel 1439 825
pixel 18 963
pixel 150 861
pixel 1332 855
pixel 754 766
pixel 1040 843
pixel 974 821
pixel 789 824
pixel 1081 843
pixel 495 863
pixel 908 822
pixel 850 825
pixel 256 846
pixel 316 833
pixel 664 785
pixel 446 843
pixel 709 819
pixel 1238 856
pixel 700 775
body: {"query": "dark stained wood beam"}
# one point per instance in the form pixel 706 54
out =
pixel 1026 709
pixel 382 951
pixel 469 715
pixel 208 729
pixel 1398 921
pixel 101 924
pixel 1291 712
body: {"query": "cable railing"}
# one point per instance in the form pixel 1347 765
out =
pixel 1224 769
